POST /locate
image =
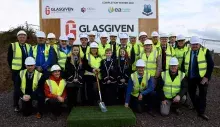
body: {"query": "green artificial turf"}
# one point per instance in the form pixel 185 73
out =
pixel 116 116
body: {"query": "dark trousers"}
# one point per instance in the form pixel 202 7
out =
pixel 54 106
pixel 91 90
pixel 199 101
pixel 27 107
pixel 121 93
pixel 15 73
pixel 72 96
pixel 110 93
pixel 139 105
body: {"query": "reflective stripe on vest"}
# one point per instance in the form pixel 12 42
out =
pixel 93 62
pixel 180 53
pixel 138 88
pixel 46 51
pixel 202 64
pixel 36 78
pixel 169 54
pixel 171 88
pixel 55 88
pixel 61 56
pixel 17 55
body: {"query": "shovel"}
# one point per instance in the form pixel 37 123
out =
pixel 101 104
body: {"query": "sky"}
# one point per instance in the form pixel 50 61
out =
pixel 188 17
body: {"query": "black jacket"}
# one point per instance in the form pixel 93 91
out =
pixel 124 70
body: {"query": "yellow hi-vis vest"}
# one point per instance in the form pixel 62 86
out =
pixel 138 88
pixel 137 50
pixel 61 56
pixel 202 64
pixel 36 78
pixel 180 53
pixel 55 47
pixel 55 88
pixel 171 88
pixel 17 55
pixel 46 51
pixel 157 47
pixel 93 62
pixel 82 53
pixel 151 61
pixel 170 52
pixel 102 50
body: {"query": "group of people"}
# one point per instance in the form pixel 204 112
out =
pixel 154 71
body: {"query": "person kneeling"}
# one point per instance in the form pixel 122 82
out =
pixel 55 92
pixel 139 89
pixel 173 86
pixel 28 85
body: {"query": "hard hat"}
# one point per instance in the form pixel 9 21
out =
pixel 114 34
pixel 164 35
pixel 140 63
pixel 92 33
pixel 94 45
pixel 29 61
pixel 195 40
pixel 21 32
pixel 103 34
pixel 172 35
pixel 51 35
pixel 83 35
pixel 154 34
pixel 148 42
pixel 40 34
pixel 55 68
pixel 63 38
pixel 142 34
pixel 71 35
pixel 180 37
pixel 133 35
pixel 174 61
pixel 123 35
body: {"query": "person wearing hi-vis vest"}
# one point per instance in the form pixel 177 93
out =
pixel 42 53
pixel 91 64
pixel 140 88
pixel 103 45
pixel 166 51
pixel 92 37
pixel 84 47
pixel 114 44
pixel 29 87
pixel 152 59
pixel 51 40
pixel 180 49
pixel 55 92
pixel 155 40
pixel 198 66
pixel 63 51
pixel 142 38
pixel 172 40
pixel 71 39
pixel 124 43
pixel 17 53
pixel 172 88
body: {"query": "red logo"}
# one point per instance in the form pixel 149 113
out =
pixel 47 10
pixel 71 27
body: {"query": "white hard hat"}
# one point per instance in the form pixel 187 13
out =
pixel 29 61
pixel 113 34
pixel 148 42
pixel 94 45
pixel 51 35
pixel 195 40
pixel 103 34
pixel 154 34
pixel 83 35
pixel 142 34
pixel 133 35
pixel 164 35
pixel 92 33
pixel 21 32
pixel 174 61
pixel 63 38
pixel 180 37
pixel 55 68
pixel 172 35
pixel 140 63
pixel 40 34
pixel 123 35
pixel 71 35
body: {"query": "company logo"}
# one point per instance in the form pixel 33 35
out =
pixel 49 10
pixel 70 27
pixel 83 10
pixel 87 9
pixel 147 10
pixel 112 9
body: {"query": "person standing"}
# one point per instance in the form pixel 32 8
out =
pixel 71 39
pixel 114 45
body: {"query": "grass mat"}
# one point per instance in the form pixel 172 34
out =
pixel 116 116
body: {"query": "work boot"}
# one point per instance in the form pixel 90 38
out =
pixel 204 116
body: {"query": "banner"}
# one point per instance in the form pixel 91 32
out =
pixel 78 26
pixel 98 9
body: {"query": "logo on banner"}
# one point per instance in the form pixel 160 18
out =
pixel 112 9
pixel 83 10
pixel 47 10
pixel 147 10
pixel 71 27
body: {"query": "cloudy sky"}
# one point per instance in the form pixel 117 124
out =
pixel 189 17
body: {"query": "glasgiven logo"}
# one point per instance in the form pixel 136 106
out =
pixel 49 10
pixel 112 9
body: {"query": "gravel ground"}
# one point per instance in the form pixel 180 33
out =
pixel 187 119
